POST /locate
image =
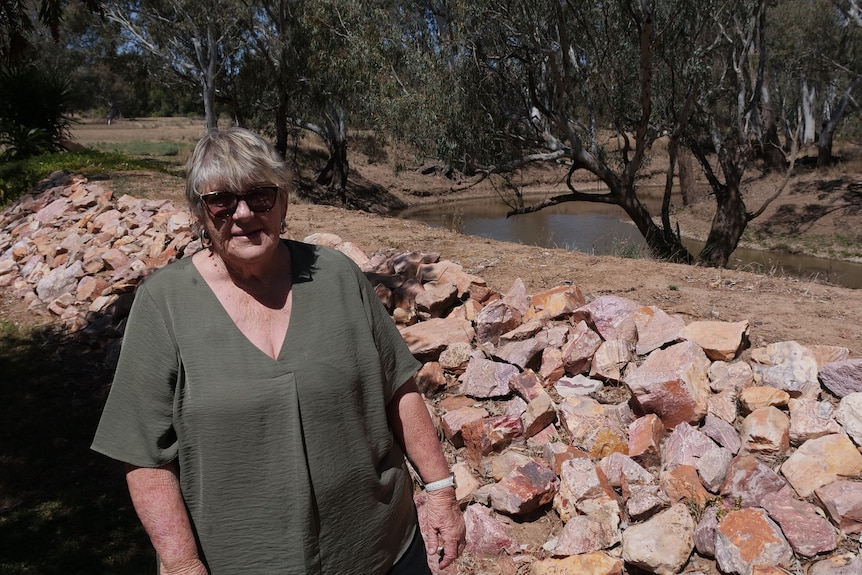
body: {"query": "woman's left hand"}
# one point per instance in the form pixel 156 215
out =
pixel 444 527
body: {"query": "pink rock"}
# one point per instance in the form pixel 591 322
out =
pixel 354 252
pixel 455 357
pixel 465 482
pixel 579 350
pixel 808 533
pixel 613 317
pixel 578 385
pixel 554 303
pixel 842 499
pixel 621 470
pixel 428 338
pixel 581 535
pixel 746 538
pixel 753 398
pixel 645 437
pixel 555 453
pixel 722 406
pixel 844 564
pixel 516 297
pixel 721 432
pixel 490 434
pixel 788 366
pixel 436 300
pixel 525 331
pixel 655 328
pixel 842 377
pixel 828 353
pixel 821 461
pixel 682 484
pixel 685 445
pixel 721 340
pixel 485 379
pixel 748 481
pixel 540 413
pixel 454 421
pixel 583 487
pixel 672 383
pixel 849 416
pixel 610 359
pixel 520 353
pixel 552 368
pixel 595 563
pixel 810 419
pixel 766 431
pixel 704 533
pixel 661 544
pixel 527 385
pixel 644 501
pixel 526 489
pixel 734 376
pixel 52 212
pixel 712 467
pixel 494 320
pixel 486 533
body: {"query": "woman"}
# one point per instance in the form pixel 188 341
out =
pixel 264 401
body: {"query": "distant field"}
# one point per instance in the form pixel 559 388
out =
pixel 91 131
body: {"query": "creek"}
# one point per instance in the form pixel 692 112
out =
pixel 605 230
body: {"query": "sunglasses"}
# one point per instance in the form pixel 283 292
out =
pixel 223 204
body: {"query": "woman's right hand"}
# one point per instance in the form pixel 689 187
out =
pixel 192 568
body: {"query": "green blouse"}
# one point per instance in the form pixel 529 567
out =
pixel 287 465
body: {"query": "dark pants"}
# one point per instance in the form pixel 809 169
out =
pixel 414 561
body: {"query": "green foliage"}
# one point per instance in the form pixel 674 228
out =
pixel 17 177
pixel 34 111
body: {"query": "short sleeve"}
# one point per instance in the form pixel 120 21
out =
pixel 137 423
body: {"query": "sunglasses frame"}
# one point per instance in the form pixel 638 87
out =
pixel 237 198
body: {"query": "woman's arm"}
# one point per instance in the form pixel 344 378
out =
pixel 159 504
pixel 412 426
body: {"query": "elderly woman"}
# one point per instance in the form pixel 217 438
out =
pixel 264 401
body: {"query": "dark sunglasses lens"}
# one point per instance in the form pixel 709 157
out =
pixel 223 204
pixel 261 199
pixel 220 203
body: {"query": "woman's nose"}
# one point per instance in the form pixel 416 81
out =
pixel 242 209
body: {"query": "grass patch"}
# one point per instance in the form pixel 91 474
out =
pixel 142 148
pixel 18 178
pixel 63 508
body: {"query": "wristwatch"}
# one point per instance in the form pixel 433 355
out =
pixel 441 484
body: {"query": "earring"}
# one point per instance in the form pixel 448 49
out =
pixel 205 238
pixel 283 225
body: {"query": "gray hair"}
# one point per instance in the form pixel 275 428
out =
pixel 232 159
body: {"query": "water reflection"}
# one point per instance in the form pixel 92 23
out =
pixel 605 229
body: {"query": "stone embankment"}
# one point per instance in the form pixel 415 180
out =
pixel 654 445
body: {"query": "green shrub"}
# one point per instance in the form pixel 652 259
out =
pixel 34 111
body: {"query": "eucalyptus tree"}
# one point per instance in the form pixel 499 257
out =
pixel 591 85
pixel 192 39
pixel 594 84
pixel 815 52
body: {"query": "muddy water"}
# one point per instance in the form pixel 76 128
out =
pixel 604 229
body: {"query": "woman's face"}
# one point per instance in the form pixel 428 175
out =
pixel 240 235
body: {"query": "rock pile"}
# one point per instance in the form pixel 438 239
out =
pixel 660 447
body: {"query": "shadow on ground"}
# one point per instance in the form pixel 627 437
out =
pixel 63 508
pixel 841 195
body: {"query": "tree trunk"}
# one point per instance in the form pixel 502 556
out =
pixel 334 173
pixel 827 133
pixel 809 100
pixel 729 221
pixel 665 246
